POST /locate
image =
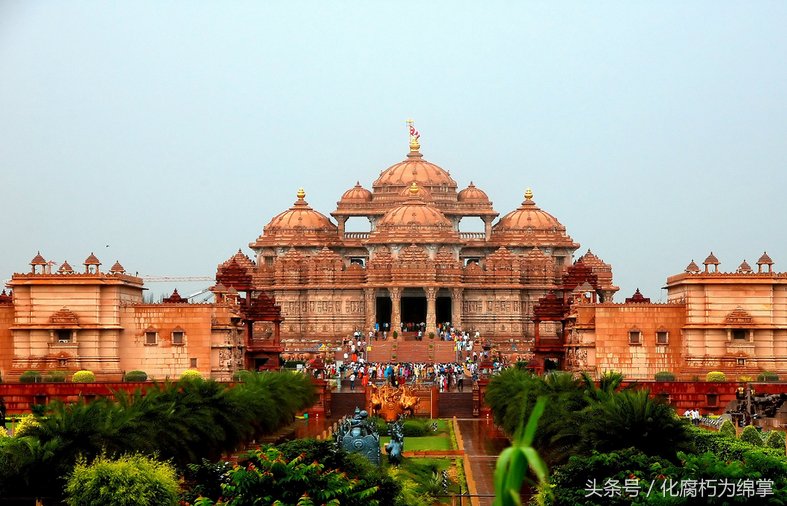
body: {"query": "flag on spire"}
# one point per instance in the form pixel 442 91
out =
pixel 414 135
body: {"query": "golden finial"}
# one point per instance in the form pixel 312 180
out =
pixel 413 189
pixel 528 194
pixel 414 136
pixel 300 194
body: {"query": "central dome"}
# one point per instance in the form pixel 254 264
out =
pixel 413 220
pixel 414 169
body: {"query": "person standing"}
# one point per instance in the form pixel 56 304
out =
pixel 352 382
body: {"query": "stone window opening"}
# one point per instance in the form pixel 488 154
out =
pixel 64 335
pixel 178 337
pixel 739 334
pixel 151 337
pixel 193 363
pixel 662 337
pixel 635 337
pixel 740 361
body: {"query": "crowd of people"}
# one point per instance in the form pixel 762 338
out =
pixel 446 376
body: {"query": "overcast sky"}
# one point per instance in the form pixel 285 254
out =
pixel 166 134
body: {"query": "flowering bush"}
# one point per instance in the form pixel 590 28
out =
pixel 3 432
pixel 716 376
pixel 191 374
pixel 25 425
pixel 83 377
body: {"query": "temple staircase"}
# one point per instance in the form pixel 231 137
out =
pixel 399 350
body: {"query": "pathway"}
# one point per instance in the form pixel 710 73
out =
pixel 482 443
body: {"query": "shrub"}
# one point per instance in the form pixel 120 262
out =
pixel 431 335
pixel 775 439
pixel 3 432
pixel 665 376
pixel 83 377
pixel 751 435
pixel 395 334
pixel 414 428
pixel 25 425
pixel 728 429
pixel 135 376
pixel 240 375
pixel 191 374
pixel 30 377
pixel 129 480
pixel 55 376
pixel 716 376
pixel 767 376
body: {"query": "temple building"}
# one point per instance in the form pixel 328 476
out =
pixel 309 284
pixel 414 266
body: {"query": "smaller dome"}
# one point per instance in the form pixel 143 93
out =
pixel 744 268
pixel 357 194
pixel 117 268
pixel 692 268
pixel 711 260
pixel 38 260
pixel 472 194
pixel 765 260
pixel 65 268
pixel 92 260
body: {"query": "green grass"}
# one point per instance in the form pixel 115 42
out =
pixel 422 443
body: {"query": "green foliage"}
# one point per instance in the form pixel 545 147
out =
pixel 728 429
pixel 83 377
pixel 431 335
pixel 135 376
pixel 266 477
pixel 568 482
pixel 30 377
pixel 182 422
pixel 55 377
pixel 716 376
pixel 723 447
pixel 190 374
pixel 205 480
pixel 239 375
pixel 665 376
pixel 415 428
pixel 751 435
pixel 775 439
pixel 767 376
pixel 514 461
pixel 632 419
pixel 130 480
pixel 25 425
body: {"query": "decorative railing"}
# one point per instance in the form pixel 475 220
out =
pixel 472 235
pixel 356 235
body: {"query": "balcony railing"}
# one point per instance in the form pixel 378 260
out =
pixel 356 235
pixel 472 235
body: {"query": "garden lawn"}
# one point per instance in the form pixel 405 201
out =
pixel 421 443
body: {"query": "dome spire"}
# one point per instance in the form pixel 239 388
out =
pixel 414 136
pixel 301 194
pixel 528 194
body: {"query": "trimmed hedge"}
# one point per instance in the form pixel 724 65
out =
pixel 55 377
pixel 191 374
pixel 30 377
pixel 83 377
pixel 665 376
pixel 767 376
pixel 716 376
pixel 135 376
pixel 775 439
pixel 751 435
pixel 728 429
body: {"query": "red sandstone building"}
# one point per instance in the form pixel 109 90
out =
pixel 516 284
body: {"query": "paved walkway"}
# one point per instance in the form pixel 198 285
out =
pixel 482 443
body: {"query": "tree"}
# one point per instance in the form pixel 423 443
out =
pixel 266 477
pixel 632 418
pixel 133 480
pixel 751 435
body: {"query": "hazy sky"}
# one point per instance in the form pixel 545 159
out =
pixel 166 134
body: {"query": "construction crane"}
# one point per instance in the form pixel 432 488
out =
pixel 170 279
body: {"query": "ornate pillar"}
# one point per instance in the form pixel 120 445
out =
pixel 396 309
pixel 431 313
pixel 456 307
pixel 370 310
pixel 488 227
